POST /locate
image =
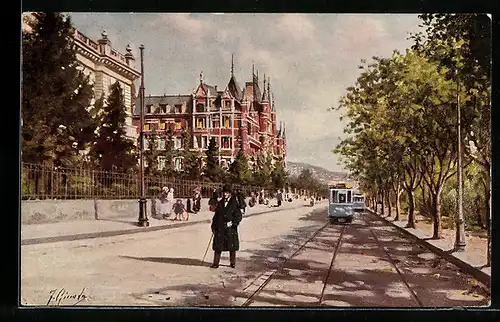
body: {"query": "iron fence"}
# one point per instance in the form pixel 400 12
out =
pixel 43 182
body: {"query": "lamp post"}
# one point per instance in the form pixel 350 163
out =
pixel 143 217
pixel 460 225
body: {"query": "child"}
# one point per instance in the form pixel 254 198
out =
pixel 180 211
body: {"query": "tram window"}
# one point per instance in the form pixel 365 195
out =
pixel 349 196
pixel 334 194
pixel 342 198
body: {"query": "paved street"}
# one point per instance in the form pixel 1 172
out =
pixel 285 259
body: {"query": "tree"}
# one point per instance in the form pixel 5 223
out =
pixel 152 153
pixel 212 169
pixel 112 150
pixel 169 153
pixel 192 162
pixel 401 114
pixel 462 43
pixel 263 168
pixel 56 97
pixel 239 169
pixel 279 175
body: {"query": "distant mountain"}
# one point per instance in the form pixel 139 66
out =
pixel 323 175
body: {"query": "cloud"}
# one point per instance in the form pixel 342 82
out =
pixel 180 25
pixel 296 26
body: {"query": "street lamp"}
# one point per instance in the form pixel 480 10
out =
pixel 143 217
pixel 460 225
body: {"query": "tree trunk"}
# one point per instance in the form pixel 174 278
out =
pixel 382 203
pixel 411 211
pixel 398 203
pixel 479 212
pixel 388 199
pixel 436 216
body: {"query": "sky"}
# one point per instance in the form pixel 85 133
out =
pixel 310 58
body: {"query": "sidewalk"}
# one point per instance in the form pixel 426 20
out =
pixel 84 229
pixel 472 260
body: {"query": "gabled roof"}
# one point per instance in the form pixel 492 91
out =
pixel 208 89
pixel 156 100
pixel 234 88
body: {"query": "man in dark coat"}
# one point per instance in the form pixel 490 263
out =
pixel 225 228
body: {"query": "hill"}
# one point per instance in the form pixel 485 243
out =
pixel 322 174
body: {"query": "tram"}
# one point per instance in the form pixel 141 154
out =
pixel 358 201
pixel 341 206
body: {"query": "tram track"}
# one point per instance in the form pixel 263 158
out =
pixel 282 266
pixel 391 261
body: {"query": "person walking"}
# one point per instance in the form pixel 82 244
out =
pixel 164 205
pixel 224 227
pixel 170 202
pixel 196 201
pixel 279 197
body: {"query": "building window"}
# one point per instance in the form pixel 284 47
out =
pixel 197 142
pixel 161 162
pixel 200 123
pixel 163 108
pixel 200 107
pixel 178 108
pixel 225 120
pixel 160 143
pixel 249 130
pixel 204 142
pixel 216 122
pixel 178 124
pixel 162 125
pixel 177 142
pixel 149 107
pixel 147 126
pixel 226 142
pixel 228 104
pixel 178 164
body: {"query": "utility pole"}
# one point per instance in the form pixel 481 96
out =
pixel 143 217
pixel 460 225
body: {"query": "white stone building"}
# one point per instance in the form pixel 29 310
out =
pixel 104 64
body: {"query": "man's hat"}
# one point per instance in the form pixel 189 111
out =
pixel 226 188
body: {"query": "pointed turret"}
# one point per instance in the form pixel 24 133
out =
pixel 264 94
pixel 232 65
pixel 233 86
pixel 269 89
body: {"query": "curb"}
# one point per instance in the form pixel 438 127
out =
pixel 45 240
pixel 464 266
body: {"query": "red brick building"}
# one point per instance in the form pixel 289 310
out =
pixel 238 118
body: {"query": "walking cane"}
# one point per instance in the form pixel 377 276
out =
pixel 203 260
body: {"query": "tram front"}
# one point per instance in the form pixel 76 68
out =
pixel 341 208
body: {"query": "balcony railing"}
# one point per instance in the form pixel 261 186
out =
pixel 114 54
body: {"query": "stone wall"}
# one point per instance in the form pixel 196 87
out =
pixel 51 211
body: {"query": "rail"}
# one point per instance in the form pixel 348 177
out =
pixel 44 182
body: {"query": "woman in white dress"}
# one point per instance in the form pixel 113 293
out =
pixel 164 204
pixel 170 202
